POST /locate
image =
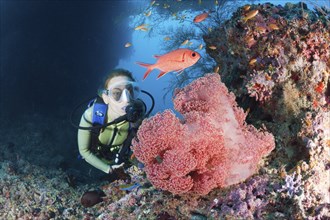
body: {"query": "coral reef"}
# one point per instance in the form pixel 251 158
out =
pixel 277 64
pixel 211 147
pixel 32 192
pixel 279 45
pixel 248 201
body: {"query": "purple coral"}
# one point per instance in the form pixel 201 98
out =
pixel 292 185
pixel 246 201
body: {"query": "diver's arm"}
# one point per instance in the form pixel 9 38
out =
pixel 84 139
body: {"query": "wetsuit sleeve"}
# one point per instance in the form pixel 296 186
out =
pixel 84 139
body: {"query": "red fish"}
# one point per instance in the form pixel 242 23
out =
pixel 201 17
pixel 176 60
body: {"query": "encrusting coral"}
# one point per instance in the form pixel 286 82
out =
pixel 277 64
pixel 211 147
pixel 280 47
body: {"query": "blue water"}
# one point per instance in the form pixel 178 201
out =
pixel 55 53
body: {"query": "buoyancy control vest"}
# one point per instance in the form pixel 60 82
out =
pixel 113 154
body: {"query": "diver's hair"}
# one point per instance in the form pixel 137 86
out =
pixel 117 72
pixel 112 74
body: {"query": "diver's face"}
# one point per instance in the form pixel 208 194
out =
pixel 118 95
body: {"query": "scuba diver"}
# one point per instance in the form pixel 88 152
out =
pixel 109 124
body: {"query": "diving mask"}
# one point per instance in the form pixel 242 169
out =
pixel 121 91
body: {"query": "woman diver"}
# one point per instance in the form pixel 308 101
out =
pixel 108 126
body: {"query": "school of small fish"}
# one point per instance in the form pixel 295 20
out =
pixel 180 59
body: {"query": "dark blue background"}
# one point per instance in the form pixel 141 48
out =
pixel 55 53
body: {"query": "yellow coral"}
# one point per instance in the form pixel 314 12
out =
pixel 290 98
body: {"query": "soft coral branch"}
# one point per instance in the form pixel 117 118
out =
pixel 212 147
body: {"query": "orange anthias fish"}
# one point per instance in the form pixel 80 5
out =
pixel 201 17
pixel 176 60
pixel 250 15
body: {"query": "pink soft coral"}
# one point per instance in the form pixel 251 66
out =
pixel 212 147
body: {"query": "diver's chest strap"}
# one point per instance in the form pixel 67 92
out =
pixel 105 150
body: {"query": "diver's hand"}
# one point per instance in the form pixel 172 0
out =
pixel 116 166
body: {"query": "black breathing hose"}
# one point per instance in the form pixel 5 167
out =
pixel 117 120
